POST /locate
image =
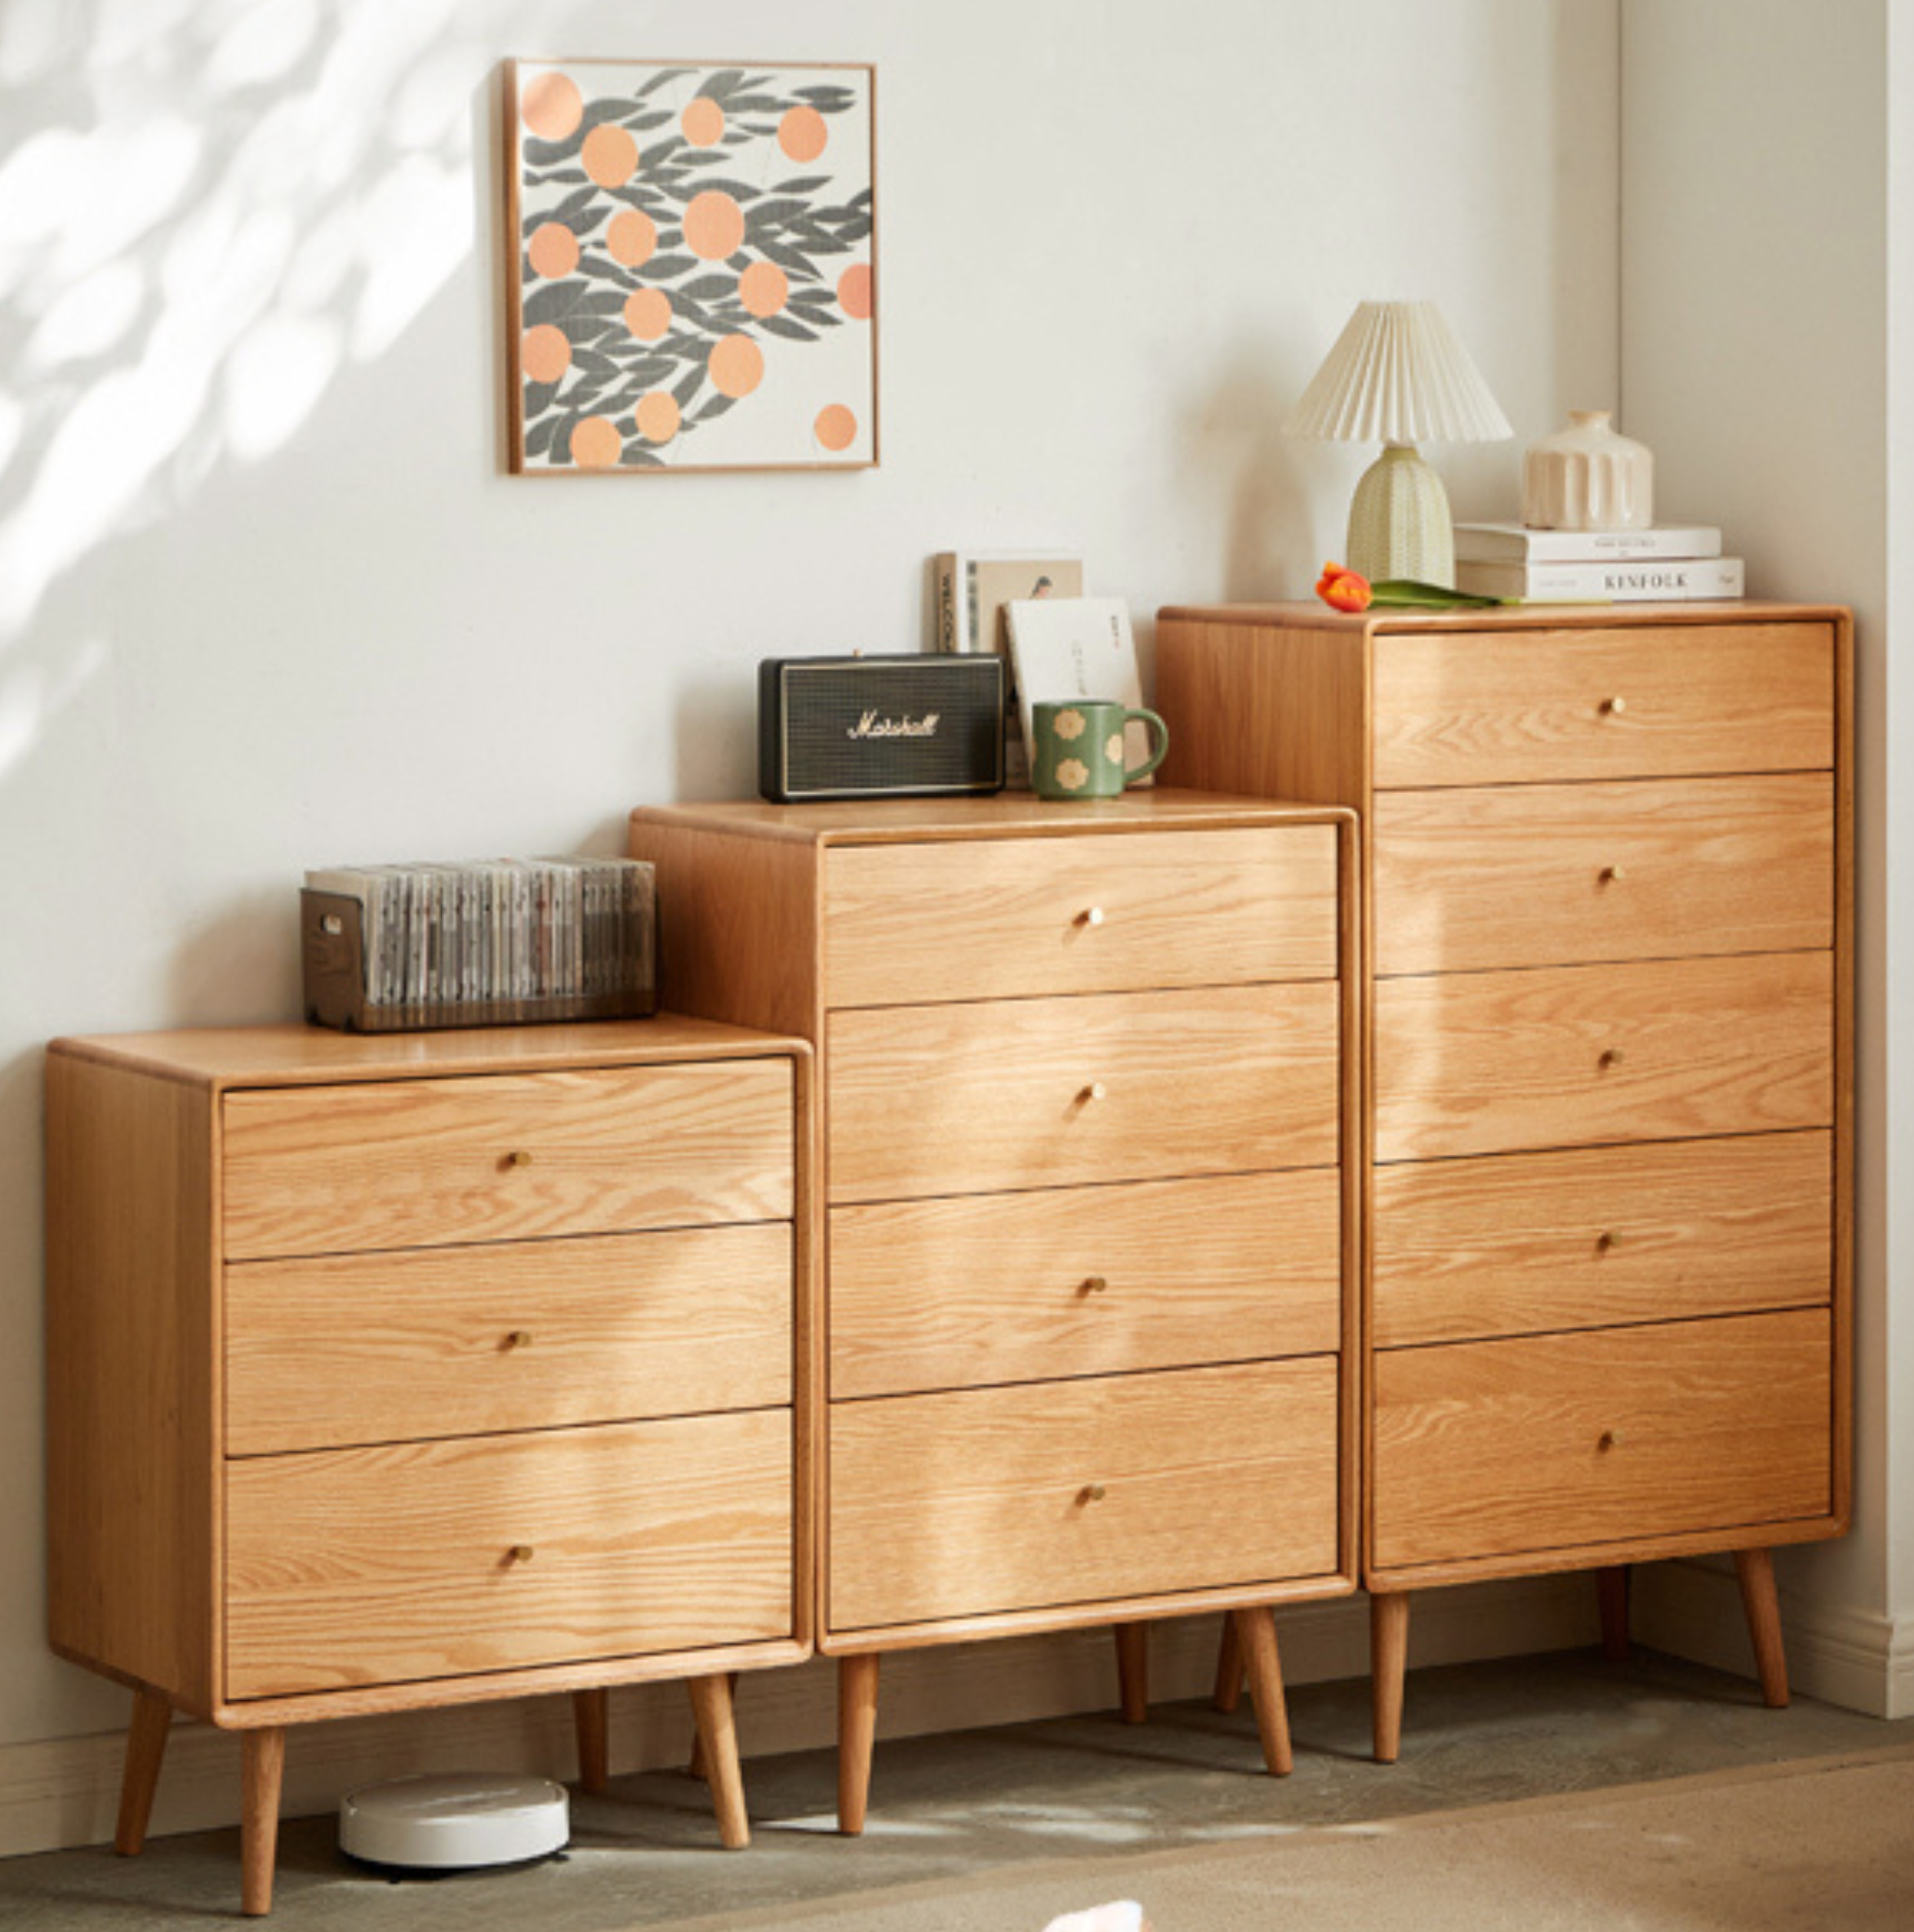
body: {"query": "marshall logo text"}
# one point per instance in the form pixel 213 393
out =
pixel 870 725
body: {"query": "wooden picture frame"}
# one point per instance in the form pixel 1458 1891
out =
pixel 690 266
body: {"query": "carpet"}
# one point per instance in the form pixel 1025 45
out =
pixel 1824 1846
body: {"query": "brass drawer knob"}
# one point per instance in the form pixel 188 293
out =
pixel 1095 1091
pixel 1607 1241
pixel 1093 917
pixel 1091 1492
pixel 518 1157
pixel 1610 1438
pixel 518 1338
pixel 1614 707
pixel 1610 1056
pixel 1095 1284
pixel 1611 874
pixel 520 1553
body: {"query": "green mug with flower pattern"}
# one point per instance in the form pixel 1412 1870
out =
pixel 1078 748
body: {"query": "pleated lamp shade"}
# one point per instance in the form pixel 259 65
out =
pixel 1397 374
pixel 1398 377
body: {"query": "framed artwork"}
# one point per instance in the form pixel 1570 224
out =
pixel 690 266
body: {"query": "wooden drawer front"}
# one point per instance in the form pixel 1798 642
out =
pixel 519 1335
pixel 986 1500
pixel 1493 1448
pixel 1520 1244
pixel 405 1164
pixel 960 1292
pixel 988 919
pixel 1562 874
pixel 1488 1062
pixel 1111 1087
pixel 379 1566
pixel 1504 707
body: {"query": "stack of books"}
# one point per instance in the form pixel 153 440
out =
pixel 1669 564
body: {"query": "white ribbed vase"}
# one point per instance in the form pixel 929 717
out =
pixel 1587 476
pixel 1398 521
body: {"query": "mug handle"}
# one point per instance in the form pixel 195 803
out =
pixel 1149 718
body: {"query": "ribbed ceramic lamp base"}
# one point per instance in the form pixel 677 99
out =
pixel 1399 522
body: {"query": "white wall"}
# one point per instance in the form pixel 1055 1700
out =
pixel 1768 343
pixel 266 600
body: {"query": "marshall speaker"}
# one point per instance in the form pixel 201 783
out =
pixel 860 727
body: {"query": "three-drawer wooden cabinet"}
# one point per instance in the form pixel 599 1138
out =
pixel 1608 885
pixel 1085 1074
pixel 395 1372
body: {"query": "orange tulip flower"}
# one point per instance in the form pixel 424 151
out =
pixel 1343 589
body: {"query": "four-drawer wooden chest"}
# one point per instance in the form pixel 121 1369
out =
pixel 1085 1073
pixel 402 1371
pixel 1607 883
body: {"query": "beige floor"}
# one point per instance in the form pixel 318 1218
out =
pixel 1528 1791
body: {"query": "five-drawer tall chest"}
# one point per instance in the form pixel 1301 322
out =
pixel 1607 883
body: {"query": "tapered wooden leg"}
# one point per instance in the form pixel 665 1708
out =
pixel 696 1768
pixel 262 1762
pixel 1611 1589
pixel 1229 1668
pixel 1388 1662
pixel 146 1736
pixel 856 1734
pixel 591 1717
pixel 1256 1636
pixel 1133 1672
pixel 1756 1568
pixel 710 1704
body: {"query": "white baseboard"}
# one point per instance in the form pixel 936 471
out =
pixel 1862 1662
pixel 65 1791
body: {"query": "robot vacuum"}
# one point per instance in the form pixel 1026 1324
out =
pixel 455 1822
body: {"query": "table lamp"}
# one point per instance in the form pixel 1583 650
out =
pixel 1397 376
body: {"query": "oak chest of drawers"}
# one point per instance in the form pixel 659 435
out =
pixel 1083 1071
pixel 1608 891
pixel 402 1371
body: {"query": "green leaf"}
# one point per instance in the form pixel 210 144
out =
pixel 1407 594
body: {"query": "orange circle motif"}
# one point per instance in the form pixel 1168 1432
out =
pixel 647 313
pixel 596 443
pixel 763 288
pixel 632 237
pixel 736 366
pixel 836 427
pixel 610 155
pixel 545 353
pixel 657 415
pixel 714 225
pixel 553 251
pixel 853 290
pixel 552 107
pixel 703 122
pixel 802 133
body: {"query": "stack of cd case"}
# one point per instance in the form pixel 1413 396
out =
pixel 487 942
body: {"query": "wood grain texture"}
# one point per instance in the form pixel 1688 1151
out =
pixel 979 1501
pixel 919 923
pixel 425 1163
pixel 1488 1062
pixel 131 1378
pixel 964 1292
pixel 1524 1243
pixel 1516 704
pixel 1498 1448
pixel 1565 874
pixel 351 1566
pixel 1276 705
pixel 981 1097
pixel 328 1352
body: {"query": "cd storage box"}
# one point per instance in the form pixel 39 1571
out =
pixel 396 948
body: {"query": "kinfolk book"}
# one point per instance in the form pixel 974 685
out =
pixel 1648 581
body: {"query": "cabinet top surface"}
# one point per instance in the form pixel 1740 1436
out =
pixel 1003 815
pixel 293 1054
pixel 1310 615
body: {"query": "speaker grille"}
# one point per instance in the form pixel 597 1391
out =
pixel 863 727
